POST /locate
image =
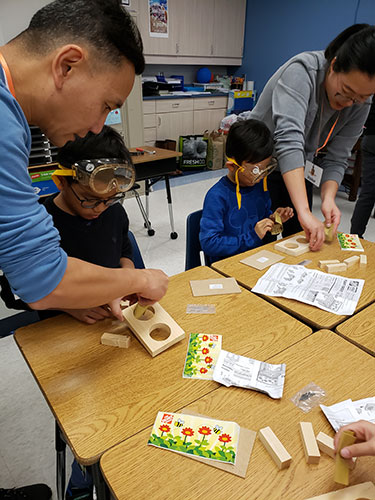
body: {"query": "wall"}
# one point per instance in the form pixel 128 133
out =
pixel 276 30
pixel 15 16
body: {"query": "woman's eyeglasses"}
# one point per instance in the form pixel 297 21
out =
pixel 87 203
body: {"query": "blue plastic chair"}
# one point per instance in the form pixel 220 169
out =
pixel 137 256
pixel 193 246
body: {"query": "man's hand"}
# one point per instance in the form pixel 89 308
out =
pixel 155 287
pixel 262 227
pixel 314 229
pixel 332 214
pixel 89 316
pixel 365 439
pixel 285 213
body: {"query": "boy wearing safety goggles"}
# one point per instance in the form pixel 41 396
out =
pixel 237 209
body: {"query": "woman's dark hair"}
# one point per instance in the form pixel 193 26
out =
pixel 102 24
pixel 354 49
pixel 249 140
pixel 107 144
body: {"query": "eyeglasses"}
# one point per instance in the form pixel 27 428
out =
pixel 87 203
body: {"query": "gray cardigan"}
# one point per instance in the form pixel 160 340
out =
pixel 294 105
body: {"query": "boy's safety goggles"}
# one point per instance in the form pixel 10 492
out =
pixel 100 175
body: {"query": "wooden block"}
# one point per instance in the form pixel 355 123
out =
pixel 115 340
pixel 297 245
pixel 262 259
pixel 325 444
pixel 324 263
pixel 328 233
pixel 363 260
pixel 310 447
pixel 341 465
pixel 363 491
pixel 139 310
pixel 155 324
pixel 336 268
pixel 275 448
pixel 350 261
pixel 277 227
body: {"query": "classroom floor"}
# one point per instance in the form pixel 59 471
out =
pixel 27 452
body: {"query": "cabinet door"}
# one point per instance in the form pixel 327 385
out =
pixel 157 45
pixel 208 119
pixel 172 125
pixel 229 26
pixel 195 27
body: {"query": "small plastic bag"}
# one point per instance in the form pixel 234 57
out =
pixel 308 397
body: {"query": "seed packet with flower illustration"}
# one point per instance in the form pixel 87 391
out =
pixel 192 435
pixel 350 242
pixel 202 354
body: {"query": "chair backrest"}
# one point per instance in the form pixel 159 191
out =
pixel 137 256
pixel 193 246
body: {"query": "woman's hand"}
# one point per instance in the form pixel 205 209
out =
pixel 365 439
pixel 314 229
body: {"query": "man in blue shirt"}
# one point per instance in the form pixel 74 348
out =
pixel 74 63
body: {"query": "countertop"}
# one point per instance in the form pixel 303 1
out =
pixel 181 96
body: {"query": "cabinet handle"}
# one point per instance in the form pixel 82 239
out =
pixel 175 105
pixel 177 48
pixel 212 50
pixel 159 121
pixel 211 103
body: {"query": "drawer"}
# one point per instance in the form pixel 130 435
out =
pixel 148 107
pixel 149 120
pixel 210 103
pixel 150 134
pixel 173 105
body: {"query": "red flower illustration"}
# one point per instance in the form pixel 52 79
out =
pixel 164 428
pixel 205 350
pixel 208 360
pixel 225 438
pixel 205 338
pixel 187 431
pixel 203 370
pixel 206 431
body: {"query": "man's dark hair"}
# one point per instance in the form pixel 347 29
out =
pixel 103 24
pixel 250 141
pixel 107 144
pixel 354 49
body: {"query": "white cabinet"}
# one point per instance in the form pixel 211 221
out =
pixel 195 29
pixel 155 45
pixel 149 121
pixel 208 113
pixel 229 27
pixel 174 117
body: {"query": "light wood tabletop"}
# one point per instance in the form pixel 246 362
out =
pixel 138 471
pixel 160 154
pixel 360 329
pixel 101 395
pixel 317 318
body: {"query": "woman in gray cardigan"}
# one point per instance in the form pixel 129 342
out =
pixel 315 100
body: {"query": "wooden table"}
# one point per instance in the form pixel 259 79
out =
pixel 151 168
pixel 313 316
pixel 334 364
pixel 360 329
pixel 101 395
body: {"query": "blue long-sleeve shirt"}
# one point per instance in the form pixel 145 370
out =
pixel 224 229
pixel 30 253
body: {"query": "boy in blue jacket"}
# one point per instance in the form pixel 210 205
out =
pixel 237 209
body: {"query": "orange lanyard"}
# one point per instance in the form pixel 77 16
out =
pixel 8 75
pixel 329 133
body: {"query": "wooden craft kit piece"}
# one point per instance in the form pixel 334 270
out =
pixel 155 319
pixel 347 438
pixel 363 491
pixel 262 259
pixel 139 310
pixel 363 261
pixel 275 448
pixel 336 268
pixel 115 340
pixel 217 286
pixel 310 447
pixel 325 444
pixel 350 261
pixel 297 245
pixel 278 224
pixel 328 233
pixel 323 263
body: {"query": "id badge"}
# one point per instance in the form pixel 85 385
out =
pixel 313 173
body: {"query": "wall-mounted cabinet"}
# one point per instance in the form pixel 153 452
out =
pixel 199 31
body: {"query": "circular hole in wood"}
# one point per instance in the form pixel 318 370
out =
pixel 291 245
pixel 160 332
pixel 148 314
pixel 301 239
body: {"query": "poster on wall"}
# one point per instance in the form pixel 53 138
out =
pixel 158 16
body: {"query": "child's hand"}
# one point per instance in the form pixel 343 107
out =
pixel 285 213
pixel 89 316
pixel 365 442
pixel 262 227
